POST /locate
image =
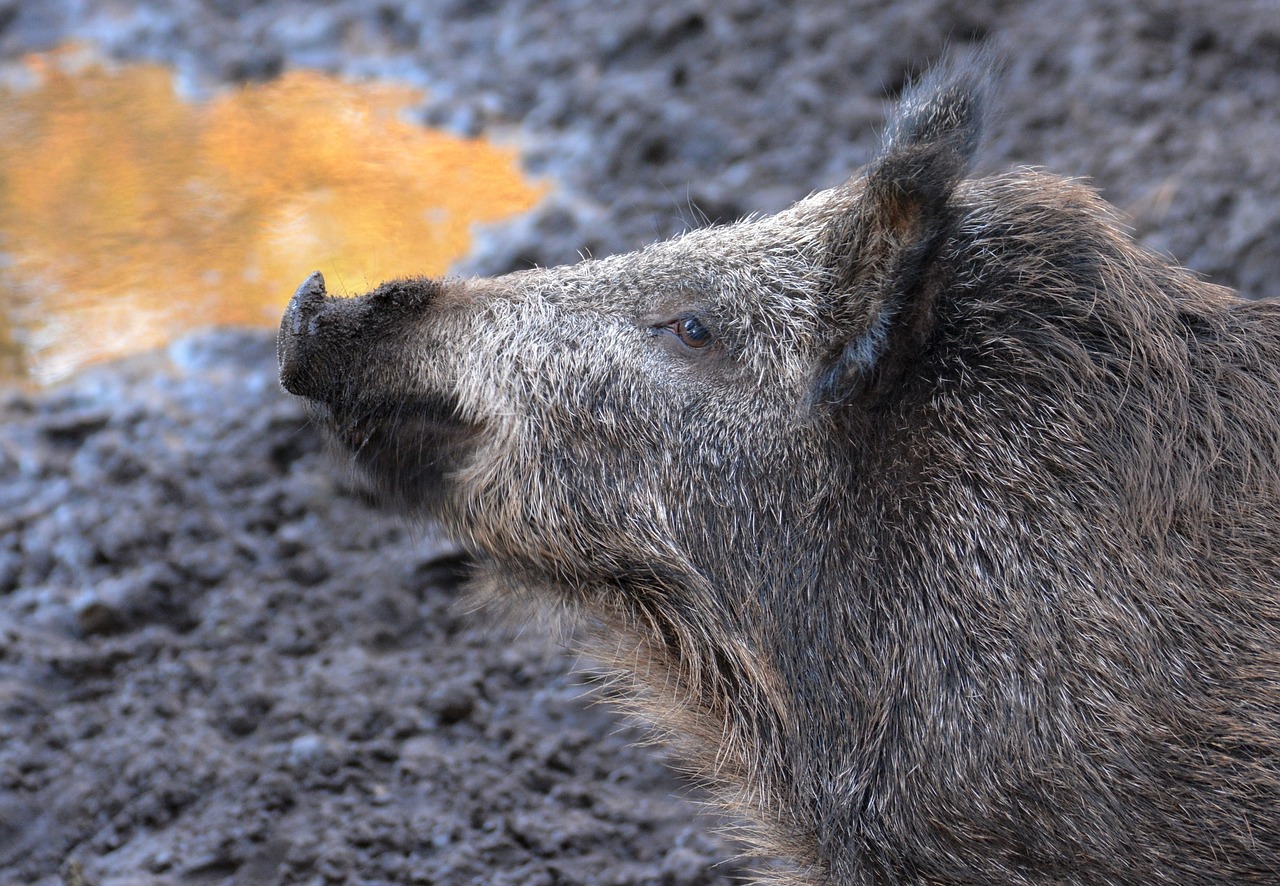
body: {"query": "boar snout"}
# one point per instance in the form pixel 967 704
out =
pixel 295 346
pixel 351 359
pixel 323 341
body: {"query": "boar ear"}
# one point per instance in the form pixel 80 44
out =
pixel 884 248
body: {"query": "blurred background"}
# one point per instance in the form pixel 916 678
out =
pixel 218 664
pixel 136 209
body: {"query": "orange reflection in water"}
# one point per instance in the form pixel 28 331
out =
pixel 128 216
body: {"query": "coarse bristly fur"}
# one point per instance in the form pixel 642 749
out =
pixel 936 521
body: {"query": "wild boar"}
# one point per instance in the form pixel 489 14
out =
pixel 934 519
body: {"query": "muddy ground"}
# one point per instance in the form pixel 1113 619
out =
pixel 218 664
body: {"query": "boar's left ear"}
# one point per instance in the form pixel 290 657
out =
pixel 884 248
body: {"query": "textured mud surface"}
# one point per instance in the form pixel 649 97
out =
pixel 219 665
pixel 217 662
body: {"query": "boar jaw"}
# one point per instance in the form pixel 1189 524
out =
pixel 338 353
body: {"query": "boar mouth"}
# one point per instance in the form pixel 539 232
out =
pixel 406 449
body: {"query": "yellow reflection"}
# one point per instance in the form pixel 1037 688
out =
pixel 128 216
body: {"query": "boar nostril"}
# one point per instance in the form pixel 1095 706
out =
pixel 310 293
pixel 291 347
pixel 305 304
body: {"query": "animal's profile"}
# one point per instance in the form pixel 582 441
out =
pixel 935 519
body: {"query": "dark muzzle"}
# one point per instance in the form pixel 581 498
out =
pixel 324 340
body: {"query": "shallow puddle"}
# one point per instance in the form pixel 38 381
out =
pixel 128 215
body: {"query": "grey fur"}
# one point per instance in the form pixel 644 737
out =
pixel 955 558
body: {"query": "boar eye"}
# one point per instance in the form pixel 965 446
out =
pixel 691 331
